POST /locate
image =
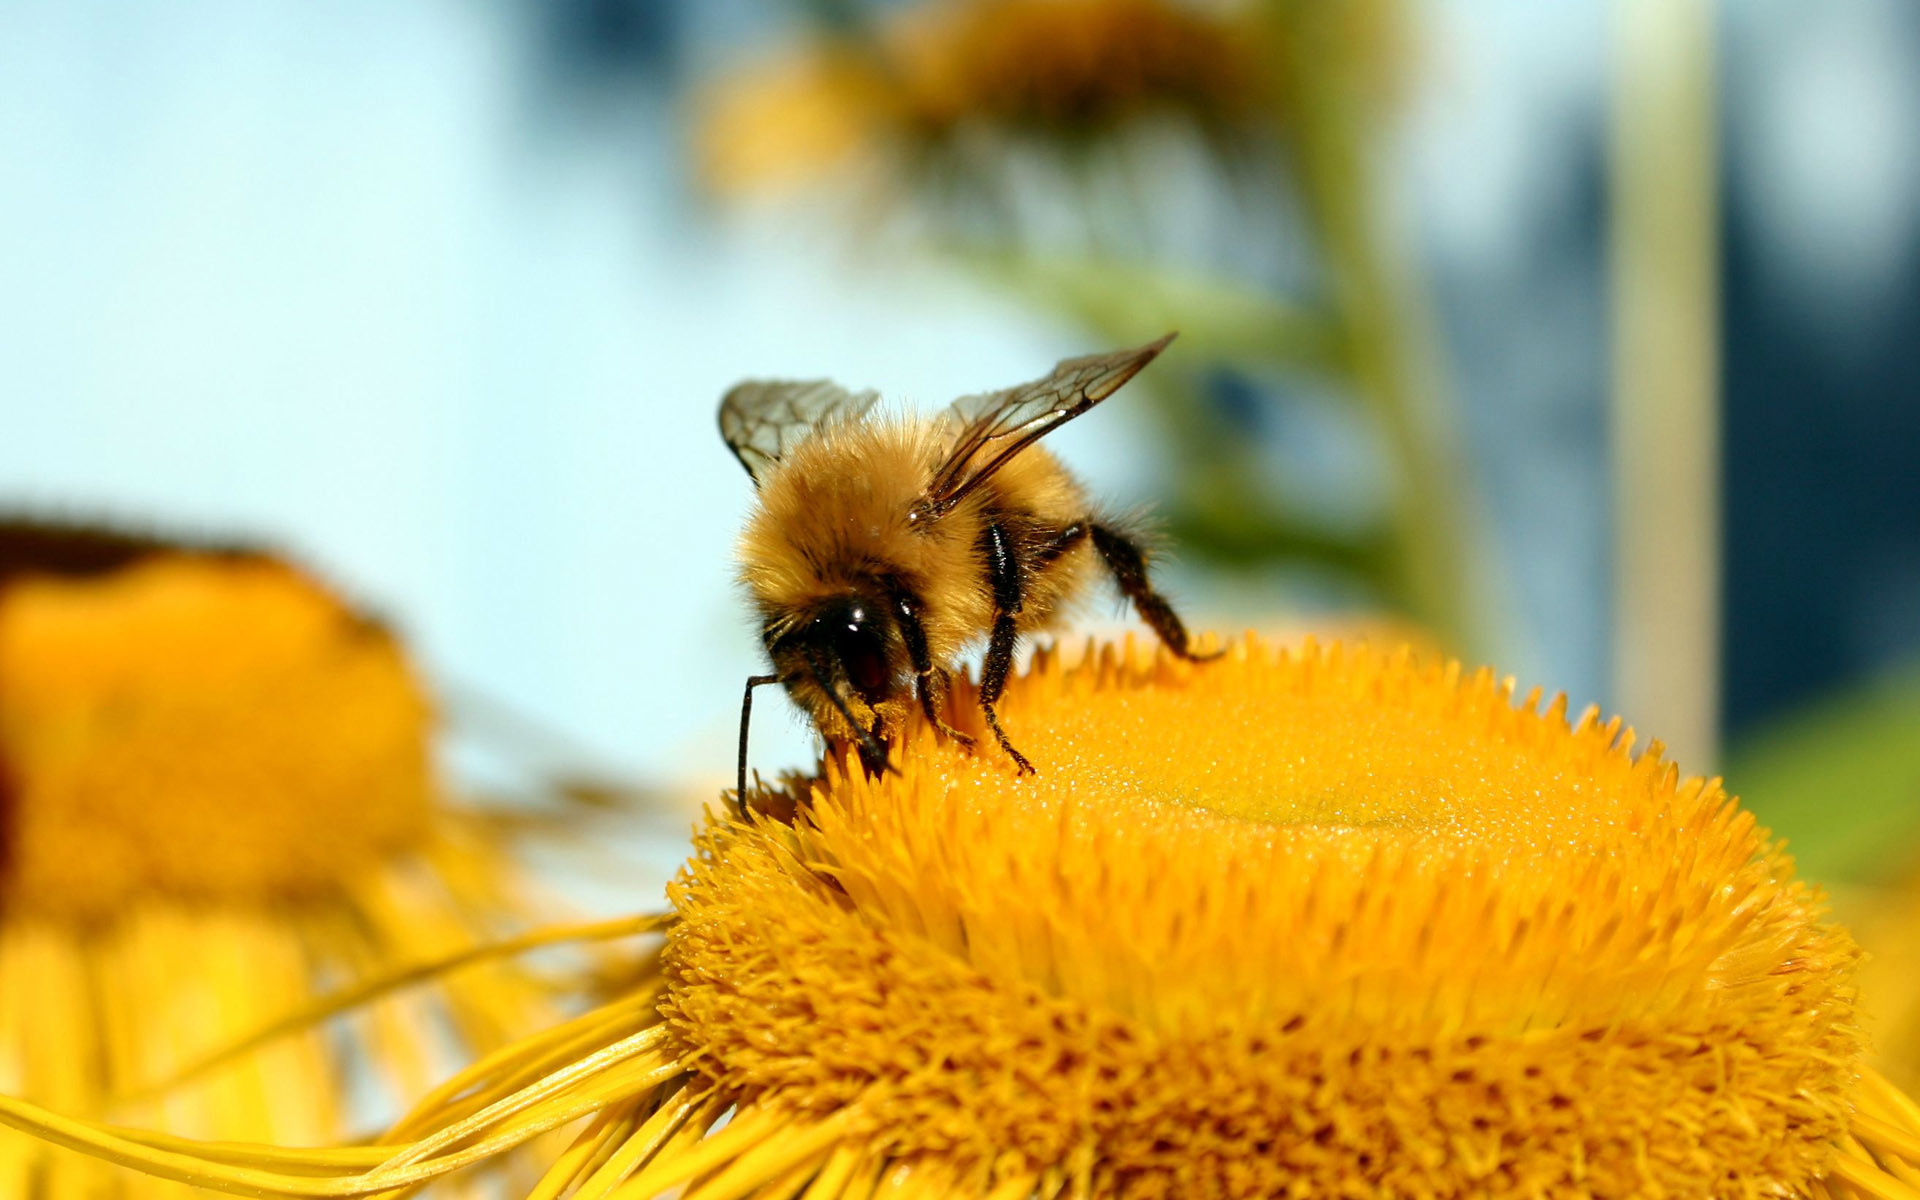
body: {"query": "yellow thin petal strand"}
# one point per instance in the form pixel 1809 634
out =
pixel 836 1175
pixel 603 1135
pixel 518 1064
pixel 238 969
pixel 1899 1108
pixel 1882 1157
pixel 865 1180
pixel 17 1153
pixel 394 980
pixel 684 1118
pixel 206 1166
pixel 791 1182
pixel 776 1146
pixel 624 1082
pixel 398 1031
pixel 483 997
pixel 527 1098
pixel 46 969
pixel 194 1168
pixel 319 1162
pixel 683 1159
pixel 1868 1180
pixel 1887 1138
pixel 703 1113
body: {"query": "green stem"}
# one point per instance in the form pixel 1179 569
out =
pixel 1378 313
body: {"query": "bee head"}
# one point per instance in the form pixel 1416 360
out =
pixel 848 640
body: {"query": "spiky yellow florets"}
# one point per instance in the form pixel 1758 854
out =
pixel 1314 924
pixel 199 725
pixel 1270 926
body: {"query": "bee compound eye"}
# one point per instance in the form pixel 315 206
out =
pixel 862 652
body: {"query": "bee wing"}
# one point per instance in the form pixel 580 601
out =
pixel 996 426
pixel 762 419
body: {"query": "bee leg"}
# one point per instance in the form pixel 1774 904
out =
pixel 746 721
pixel 993 680
pixel 1062 542
pixel 1129 568
pixel 873 752
pixel 933 690
pixel 1003 572
pixel 931 687
pixel 929 682
pixel 873 748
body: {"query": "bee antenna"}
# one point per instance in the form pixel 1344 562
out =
pixel 746 720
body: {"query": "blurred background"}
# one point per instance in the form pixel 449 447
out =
pixel 1580 338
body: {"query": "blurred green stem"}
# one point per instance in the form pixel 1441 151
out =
pixel 1382 330
pixel 1217 320
pixel 838 16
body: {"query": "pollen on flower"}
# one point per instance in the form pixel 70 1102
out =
pixel 196 725
pixel 1279 924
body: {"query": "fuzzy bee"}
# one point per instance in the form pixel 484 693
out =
pixel 882 547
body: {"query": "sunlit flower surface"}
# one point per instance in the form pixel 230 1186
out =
pixel 1285 924
pixel 220 804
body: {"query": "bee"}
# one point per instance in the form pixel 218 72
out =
pixel 880 548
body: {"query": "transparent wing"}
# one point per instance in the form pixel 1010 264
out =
pixel 762 419
pixel 996 426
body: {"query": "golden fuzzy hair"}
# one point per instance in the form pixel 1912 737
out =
pixel 835 514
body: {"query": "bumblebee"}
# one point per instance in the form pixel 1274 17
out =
pixel 882 547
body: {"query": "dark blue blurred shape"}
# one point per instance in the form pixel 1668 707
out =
pixel 1822 490
pixel 600 40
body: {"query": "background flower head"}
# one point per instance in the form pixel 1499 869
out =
pixel 220 803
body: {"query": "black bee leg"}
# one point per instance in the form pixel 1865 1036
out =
pixel 1003 572
pixel 746 721
pixel 929 681
pixel 1062 542
pixel 993 681
pixel 1129 568
pixel 873 751
pixel 933 691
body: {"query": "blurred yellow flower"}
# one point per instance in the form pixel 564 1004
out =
pixel 219 803
pixel 944 72
pixel 1326 923
pixel 1886 918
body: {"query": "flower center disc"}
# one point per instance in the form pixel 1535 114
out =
pixel 203 726
pixel 1278 921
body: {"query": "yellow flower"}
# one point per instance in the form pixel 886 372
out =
pixel 953 71
pixel 1886 918
pixel 1326 923
pixel 219 804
